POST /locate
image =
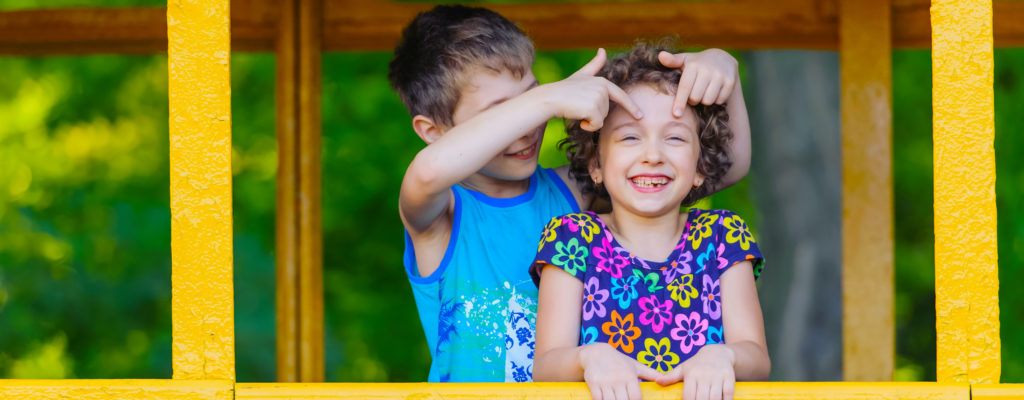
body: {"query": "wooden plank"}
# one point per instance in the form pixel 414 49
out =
pixel 1004 391
pixel 740 24
pixel 311 288
pixel 376 25
pixel 865 62
pixel 966 258
pixel 299 237
pixel 199 87
pixel 287 229
pixel 559 391
pixel 127 389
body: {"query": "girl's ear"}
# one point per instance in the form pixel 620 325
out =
pixel 698 179
pixel 426 128
pixel 595 171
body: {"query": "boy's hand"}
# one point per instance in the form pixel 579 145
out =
pixel 611 375
pixel 708 375
pixel 708 77
pixel 583 96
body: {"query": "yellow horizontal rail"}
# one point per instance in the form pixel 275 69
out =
pixel 560 391
pixel 997 391
pixel 127 389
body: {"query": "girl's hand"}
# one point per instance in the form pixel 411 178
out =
pixel 708 77
pixel 708 375
pixel 611 375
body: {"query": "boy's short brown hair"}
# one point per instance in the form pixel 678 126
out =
pixel 641 67
pixel 440 46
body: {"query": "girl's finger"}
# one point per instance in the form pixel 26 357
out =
pixel 633 390
pixel 715 390
pixel 689 390
pixel 595 391
pixel 621 393
pixel 728 389
pixel 703 391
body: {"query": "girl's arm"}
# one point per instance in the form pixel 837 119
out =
pixel 714 370
pixel 608 373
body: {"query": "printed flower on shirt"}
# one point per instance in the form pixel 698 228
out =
pixel 593 299
pixel 655 313
pixel 550 234
pixel 711 297
pixel 608 259
pixel 689 331
pixel 621 331
pixel 583 223
pixel 658 355
pixel 588 335
pixel 702 229
pixel 738 231
pixel 571 256
pixel 714 335
pixel 680 266
pixel 624 290
pixel 682 290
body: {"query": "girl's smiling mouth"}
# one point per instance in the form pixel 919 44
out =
pixel 649 183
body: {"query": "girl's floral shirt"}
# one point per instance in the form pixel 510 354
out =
pixel 660 313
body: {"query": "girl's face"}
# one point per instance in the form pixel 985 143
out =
pixel 648 165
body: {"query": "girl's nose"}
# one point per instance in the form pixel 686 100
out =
pixel 652 152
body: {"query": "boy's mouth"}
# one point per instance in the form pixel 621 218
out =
pixel 649 183
pixel 524 154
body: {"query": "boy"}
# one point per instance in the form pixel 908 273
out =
pixel 473 201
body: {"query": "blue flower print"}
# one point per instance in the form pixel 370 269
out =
pixel 714 335
pixel 588 335
pixel 624 290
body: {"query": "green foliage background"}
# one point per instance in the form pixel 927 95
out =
pixel 85 225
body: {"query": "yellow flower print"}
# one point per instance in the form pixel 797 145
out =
pixel 658 355
pixel 702 229
pixel 737 232
pixel 682 290
pixel 549 234
pixel 586 224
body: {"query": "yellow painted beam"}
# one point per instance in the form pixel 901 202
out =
pixel 966 264
pixel 104 389
pixel 198 58
pixel 865 63
pixel 997 392
pixel 561 391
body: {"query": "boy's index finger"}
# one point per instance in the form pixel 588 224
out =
pixel 622 98
pixel 594 65
pixel 672 60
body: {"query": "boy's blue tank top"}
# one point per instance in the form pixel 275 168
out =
pixel 478 309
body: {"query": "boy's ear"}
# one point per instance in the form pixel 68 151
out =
pixel 426 128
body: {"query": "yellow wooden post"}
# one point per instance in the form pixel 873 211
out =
pixel 865 62
pixel 198 63
pixel 966 264
pixel 300 354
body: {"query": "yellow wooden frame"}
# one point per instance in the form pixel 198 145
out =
pixel 198 45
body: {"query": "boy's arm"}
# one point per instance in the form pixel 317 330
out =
pixel 712 77
pixel 462 151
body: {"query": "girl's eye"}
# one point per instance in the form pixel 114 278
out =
pixel 626 138
pixel 677 139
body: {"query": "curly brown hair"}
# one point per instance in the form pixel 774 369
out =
pixel 640 66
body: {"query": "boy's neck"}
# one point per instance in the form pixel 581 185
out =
pixel 494 187
pixel 650 238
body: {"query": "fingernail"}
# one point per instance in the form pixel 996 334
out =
pixel 639 114
pixel 677 112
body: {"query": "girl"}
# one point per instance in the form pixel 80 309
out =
pixel 645 291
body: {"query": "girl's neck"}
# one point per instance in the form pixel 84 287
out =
pixel 650 238
pixel 494 187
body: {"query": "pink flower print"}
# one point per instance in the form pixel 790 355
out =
pixel 689 331
pixel 608 259
pixel 583 223
pixel 722 262
pixel 655 313
pixel 593 299
pixel 681 266
pixel 711 297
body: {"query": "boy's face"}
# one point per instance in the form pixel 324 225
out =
pixel 648 165
pixel 486 88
